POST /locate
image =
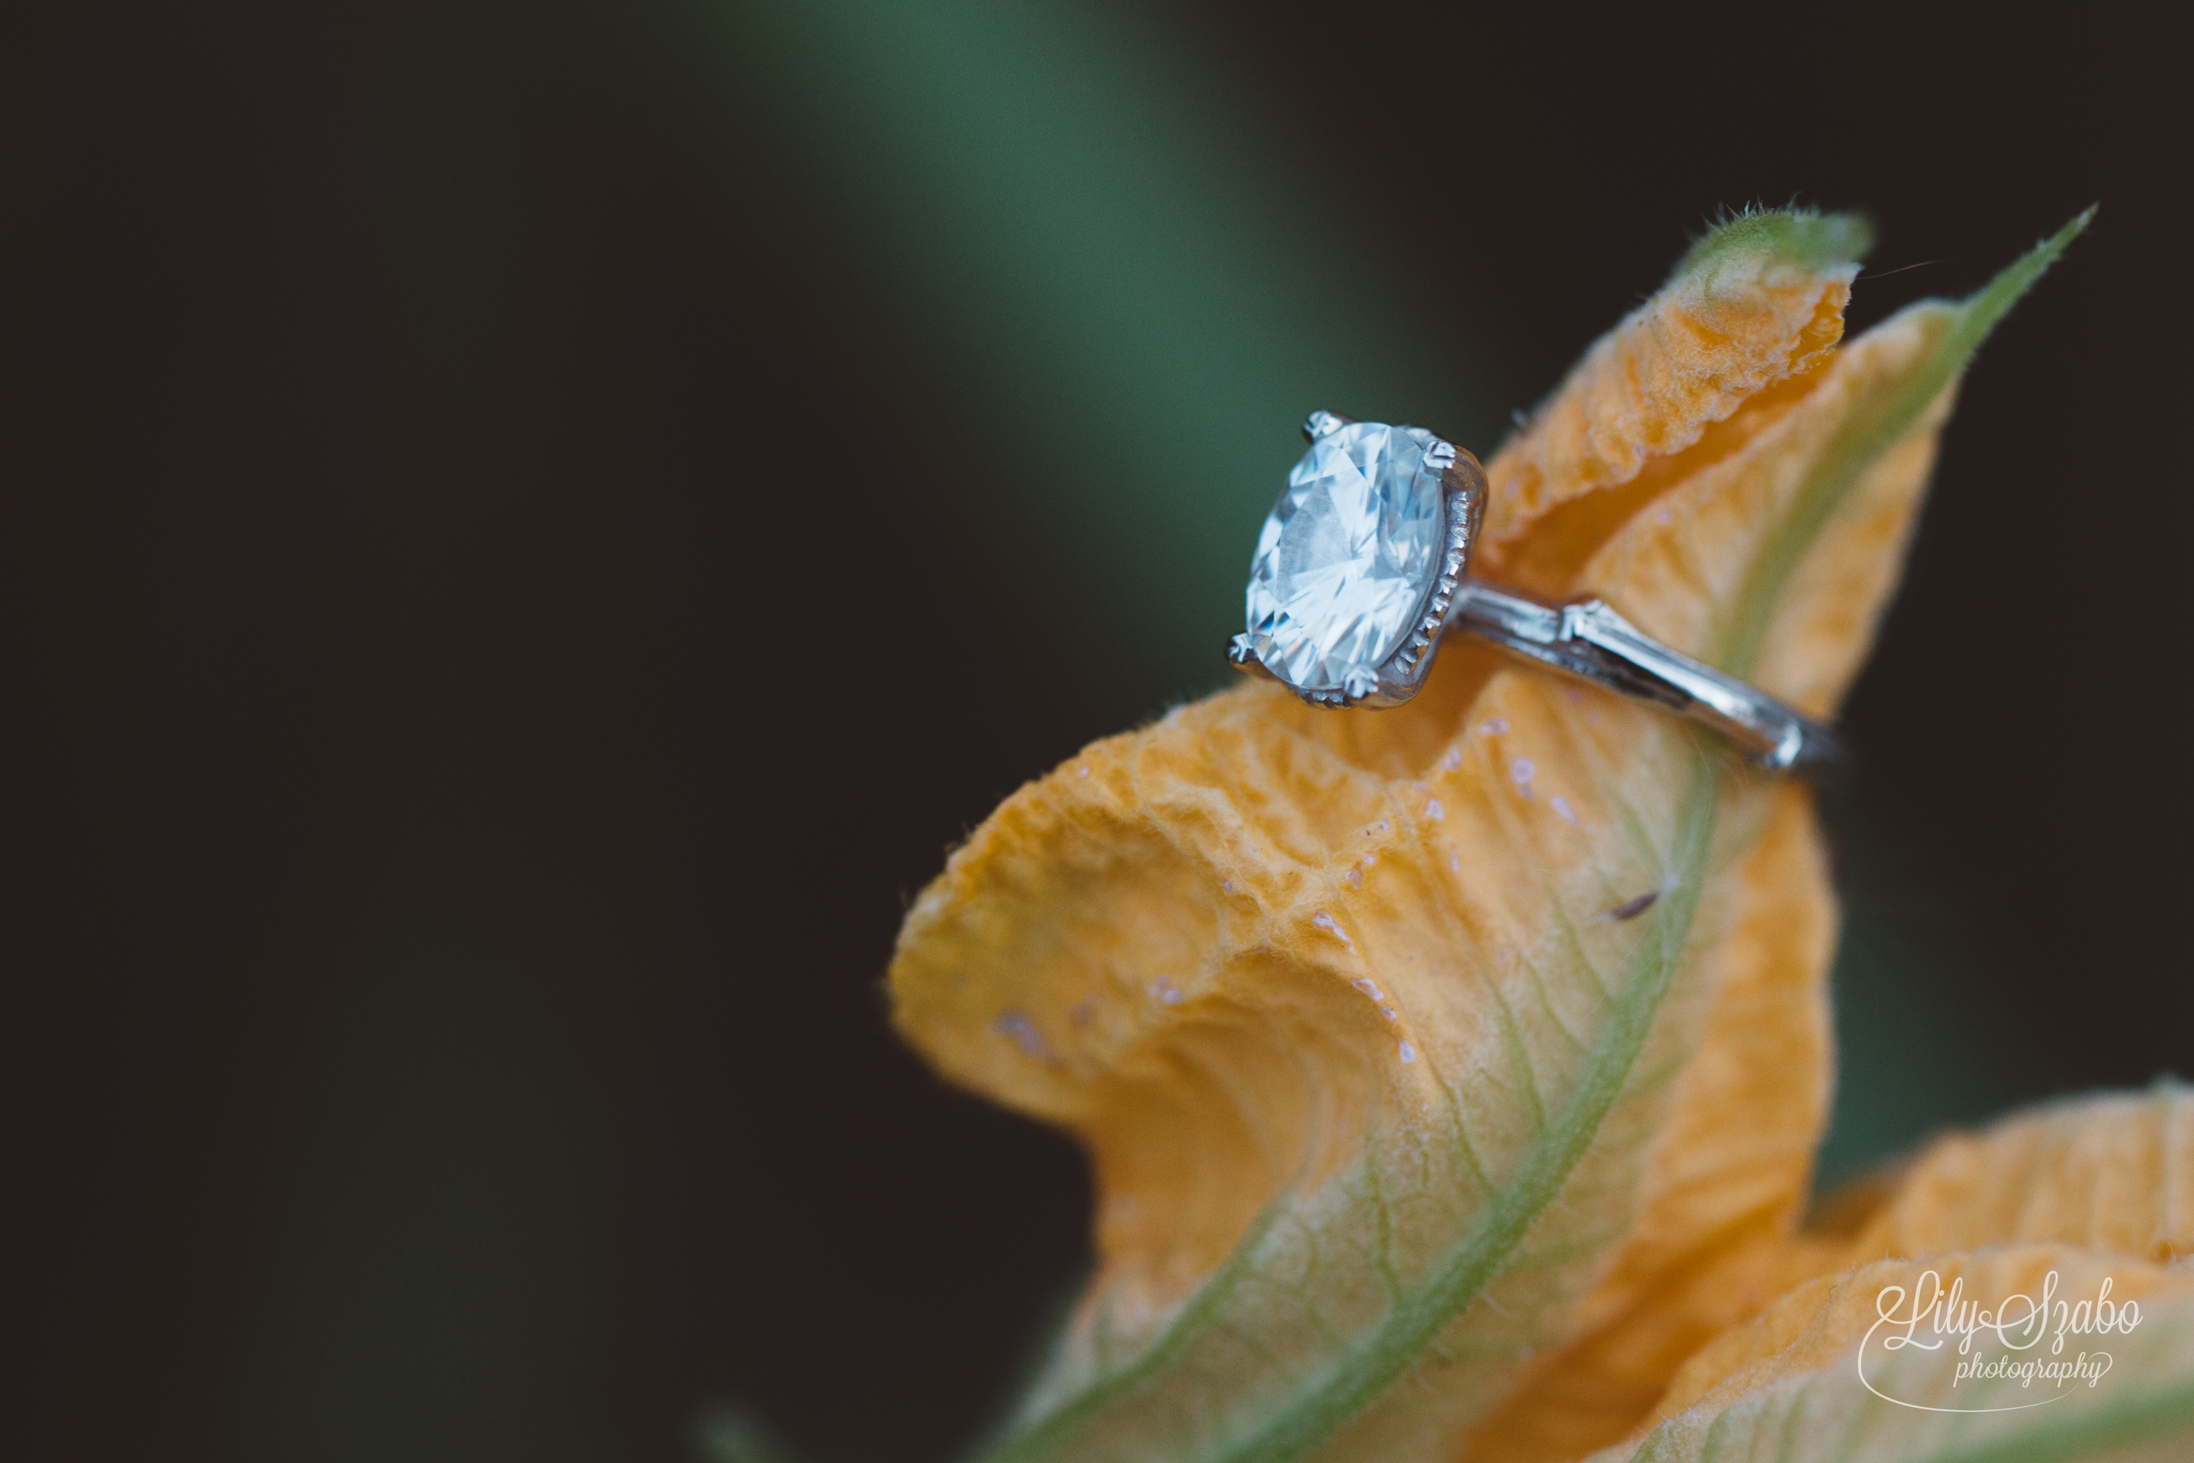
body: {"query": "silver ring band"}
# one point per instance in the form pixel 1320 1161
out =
pixel 1363 568
pixel 1589 641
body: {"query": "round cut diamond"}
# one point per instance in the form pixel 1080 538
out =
pixel 1347 557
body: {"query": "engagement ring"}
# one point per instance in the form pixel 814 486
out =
pixel 1364 565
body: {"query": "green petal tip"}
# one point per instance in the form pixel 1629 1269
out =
pixel 1804 237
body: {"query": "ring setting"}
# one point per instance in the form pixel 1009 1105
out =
pixel 1363 566
pixel 1359 562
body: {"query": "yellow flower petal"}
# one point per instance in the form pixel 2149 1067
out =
pixel 1789 1385
pixel 2110 1173
pixel 1712 1242
pixel 1758 302
pixel 1691 585
pixel 1767 1058
pixel 2113 1175
pixel 1594 1392
pixel 1404 1044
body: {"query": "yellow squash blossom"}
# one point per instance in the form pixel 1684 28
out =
pixel 1451 1075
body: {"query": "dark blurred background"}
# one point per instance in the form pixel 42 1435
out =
pixel 469 816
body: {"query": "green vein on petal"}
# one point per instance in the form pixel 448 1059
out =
pixel 1869 433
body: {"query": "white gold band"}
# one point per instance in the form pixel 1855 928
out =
pixel 1588 640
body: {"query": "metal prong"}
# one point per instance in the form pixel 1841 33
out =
pixel 1242 655
pixel 1322 424
pixel 1440 456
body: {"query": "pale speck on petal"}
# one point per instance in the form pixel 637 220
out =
pixel 1451 759
pixel 1167 992
pixel 1388 1012
pixel 1434 811
pixel 1409 1053
pixel 1455 861
pixel 1368 986
pixel 1562 809
pixel 1520 772
pixel 1493 726
pixel 1083 770
pixel 1024 1035
pixel 1325 922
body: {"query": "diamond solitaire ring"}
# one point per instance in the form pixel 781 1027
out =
pixel 1364 564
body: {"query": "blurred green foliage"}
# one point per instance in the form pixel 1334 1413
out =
pixel 1138 276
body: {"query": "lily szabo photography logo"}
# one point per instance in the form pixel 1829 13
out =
pixel 1999 1345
